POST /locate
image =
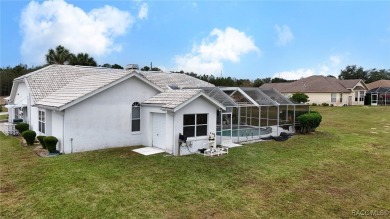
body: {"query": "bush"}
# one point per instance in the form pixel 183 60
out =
pixel 21 127
pixel 51 143
pixel 299 98
pixel 29 136
pixel 309 122
pixel 314 104
pixel 41 141
pixel 325 104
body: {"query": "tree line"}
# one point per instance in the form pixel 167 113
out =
pixel 61 55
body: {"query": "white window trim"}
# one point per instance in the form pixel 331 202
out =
pixel 333 97
pixel 135 104
pixel 43 122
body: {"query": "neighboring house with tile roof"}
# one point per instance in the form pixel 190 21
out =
pixel 90 108
pixel 379 92
pixel 321 89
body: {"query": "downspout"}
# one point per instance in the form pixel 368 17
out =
pixel 63 132
pixel 174 139
pixel 29 109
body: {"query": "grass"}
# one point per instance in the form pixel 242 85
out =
pixel 343 167
pixel 3 117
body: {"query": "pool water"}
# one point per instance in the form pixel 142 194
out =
pixel 246 132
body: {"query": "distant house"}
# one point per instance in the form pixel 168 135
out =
pixel 379 92
pixel 321 89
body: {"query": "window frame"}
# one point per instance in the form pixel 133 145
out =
pixel 356 96
pixel 135 105
pixel 196 125
pixel 42 121
pixel 361 96
pixel 333 97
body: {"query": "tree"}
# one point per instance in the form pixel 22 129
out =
pixel 145 68
pixel 353 72
pixel 258 82
pixel 60 55
pixel 116 66
pixel 155 69
pixel 375 75
pixel 299 98
pixel 279 80
pixel 106 65
pixel 8 74
pixel 82 59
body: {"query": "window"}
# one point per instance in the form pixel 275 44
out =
pixel 356 95
pixel 195 125
pixel 136 117
pixel 41 121
pixel 361 97
pixel 333 97
pixel 341 97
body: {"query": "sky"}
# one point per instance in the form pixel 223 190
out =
pixel 241 39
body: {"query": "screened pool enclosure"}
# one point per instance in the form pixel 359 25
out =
pixel 253 113
pixel 380 96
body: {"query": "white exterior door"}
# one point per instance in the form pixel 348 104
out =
pixel 159 130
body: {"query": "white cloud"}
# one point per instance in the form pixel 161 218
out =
pixel 284 35
pixel 221 45
pixel 143 11
pixel 330 66
pixel 295 74
pixel 335 59
pixel 48 24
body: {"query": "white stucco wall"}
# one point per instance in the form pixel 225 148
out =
pixel 147 113
pixel 320 98
pixel 21 98
pixel 200 105
pixel 34 119
pixel 57 129
pixel 104 120
pixel 21 94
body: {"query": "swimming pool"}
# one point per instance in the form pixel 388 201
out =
pixel 246 131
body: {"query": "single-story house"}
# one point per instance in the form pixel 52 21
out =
pixel 321 89
pixel 90 108
pixel 379 92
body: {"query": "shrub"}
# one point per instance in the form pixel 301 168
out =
pixel 314 104
pixel 325 104
pixel 299 98
pixel 29 136
pixel 50 143
pixel 40 139
pixel 331 104
pixel 309 122
pixel 21 127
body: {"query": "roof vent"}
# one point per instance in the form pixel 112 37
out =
pixel 132 67
pixel 173 86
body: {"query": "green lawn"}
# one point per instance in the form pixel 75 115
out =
pixel 342 168
pixel 3 117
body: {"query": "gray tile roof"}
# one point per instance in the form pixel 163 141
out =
pixel 173 98
pixel 44 82
pixel 162 80
pixel 58 85
pixel 314 84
